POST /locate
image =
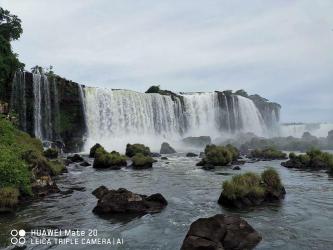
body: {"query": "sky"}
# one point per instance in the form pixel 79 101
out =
pixel 282 50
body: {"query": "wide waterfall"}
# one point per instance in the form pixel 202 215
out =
pixel 115 117
pixel 55 109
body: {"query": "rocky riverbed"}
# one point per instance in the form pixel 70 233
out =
pixel 301 221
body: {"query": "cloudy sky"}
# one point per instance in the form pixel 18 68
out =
pixel 282 50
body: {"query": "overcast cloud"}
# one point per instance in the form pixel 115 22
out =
pixel 282 50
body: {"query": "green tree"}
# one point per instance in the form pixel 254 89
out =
pixel 10 29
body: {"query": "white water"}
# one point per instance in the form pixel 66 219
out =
pixel 250 117
pixel 117 117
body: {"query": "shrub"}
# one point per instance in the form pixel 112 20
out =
pixel 234 151
pixel 243 185
pixel 93 150
pixel 133 149
pixel 271 178
pixel 56 167
pixel 142 161
pixel 51 153
pixel 216 156
pixel 103 159
pixel 8 197
pixel 267 153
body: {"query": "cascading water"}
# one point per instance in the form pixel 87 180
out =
pixel 18 98
pixel 115 117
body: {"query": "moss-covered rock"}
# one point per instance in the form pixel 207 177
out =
pixel 216 156
pixel 251 189
pixel 234 152
pixel 133 149
pixel 267 154
pixel 51 153
pixel 141 161
pixel 93 150
pixel 313 159
pixel 104 159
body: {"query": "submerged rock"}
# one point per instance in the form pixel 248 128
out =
pixel 191 154
pixel 200 141
pixel 221 232
pixel 236 168
pixel 75 158
pixel 124 201
pixel 155 154
pixel 85 164
pixel 167 149
pixel 164 158
pixel 251 189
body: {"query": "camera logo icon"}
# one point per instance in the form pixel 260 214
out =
pixel 17 236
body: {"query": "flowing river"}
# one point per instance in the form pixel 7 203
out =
pixel 302 221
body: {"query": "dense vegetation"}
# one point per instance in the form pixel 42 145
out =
pixel 219 155
pixel 10 29
pixel 22 162
pixel 133 149
pixel 267 154
pixel 313 159
pixel 141 161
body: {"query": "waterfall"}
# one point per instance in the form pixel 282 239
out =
pixel 250 117
pixel 116 117
pixel 18 99
pixel 297 129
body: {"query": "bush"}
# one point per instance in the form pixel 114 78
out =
pixel 267 154
pixel 103 159
pixel 93 150
pixel 51 153
pixel 216 156
pixel 8 197
pixel 142 161
pixel 57 167
pixel 271 178
pixel 234 151
pixel 133 149
pixel 243 185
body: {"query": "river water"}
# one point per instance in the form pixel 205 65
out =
pixel 302 221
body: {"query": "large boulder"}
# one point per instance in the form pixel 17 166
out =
pixel 221 232
pixel 124 201
pixel 133 149
pixel 200 141
pixel 167 149
pixel 75 158
pixel 250 189
pixel 113 160
pixel 140 161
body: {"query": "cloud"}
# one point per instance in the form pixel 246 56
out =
pixel 279 49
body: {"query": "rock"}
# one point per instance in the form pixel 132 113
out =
pixel 75 158
pixel 251 189
pixel 216 156
pixel 93 150
pixel 167 149
pixel 51 153
pixel 200 141
pixel 202 155
pixel 221 232
pixel 132 149
pixel 43 186
pixel 141 162
pixel 112 161
pixel 154 154
pixel 191 155
pixel 124 201
pixel 85 164
pixel 164 158
pixel 236 168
